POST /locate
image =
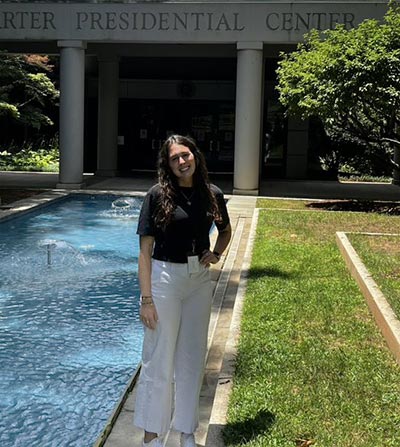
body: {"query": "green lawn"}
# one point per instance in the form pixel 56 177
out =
pixel 312 367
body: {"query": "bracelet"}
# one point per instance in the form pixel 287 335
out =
pixel 217 255
pixel 146 299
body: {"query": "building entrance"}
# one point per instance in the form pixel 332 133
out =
pixel 274 141
pixel 145 124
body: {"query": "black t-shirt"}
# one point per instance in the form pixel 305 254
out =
pixel 188 231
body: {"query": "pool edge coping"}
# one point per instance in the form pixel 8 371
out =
pixel 42 199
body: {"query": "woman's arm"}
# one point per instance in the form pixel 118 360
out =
pixel 224 236
pixel 148 312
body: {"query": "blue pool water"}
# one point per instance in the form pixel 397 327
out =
pixel 70 336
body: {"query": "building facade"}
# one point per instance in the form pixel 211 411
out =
pixel 131 73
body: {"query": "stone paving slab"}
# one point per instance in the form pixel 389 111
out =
pixel 217 419
pixel 312 189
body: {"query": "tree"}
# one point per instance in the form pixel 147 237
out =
pixel 26 90
pixel 350 80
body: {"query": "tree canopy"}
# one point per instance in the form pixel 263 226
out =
pixel 26 90
pixel 350 80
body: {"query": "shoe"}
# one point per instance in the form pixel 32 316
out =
pixel 187 440
pixel 156 442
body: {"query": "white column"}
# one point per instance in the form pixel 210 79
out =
pixel 248 124
pixel 107 130
pixel 72 93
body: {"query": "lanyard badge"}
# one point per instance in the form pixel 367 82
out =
pixel 193 264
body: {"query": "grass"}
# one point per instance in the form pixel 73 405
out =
pixel 381 256
pixel 312 367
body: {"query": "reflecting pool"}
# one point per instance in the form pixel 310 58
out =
pixel 70 336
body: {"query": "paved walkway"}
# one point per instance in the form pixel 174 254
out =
pixel 269 188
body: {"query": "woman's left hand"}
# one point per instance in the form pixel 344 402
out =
pixel 208 257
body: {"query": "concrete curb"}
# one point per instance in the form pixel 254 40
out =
pixel 384 316
pixel 225 379
pixel 27 205
pixel 101 440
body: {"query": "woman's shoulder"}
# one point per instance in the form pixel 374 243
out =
pixel 155 190
pixel 216 190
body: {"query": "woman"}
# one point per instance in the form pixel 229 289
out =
pixel 176 292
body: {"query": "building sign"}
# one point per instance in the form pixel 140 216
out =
pixel 179 22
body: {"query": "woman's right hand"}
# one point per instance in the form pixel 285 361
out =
pixel 148 315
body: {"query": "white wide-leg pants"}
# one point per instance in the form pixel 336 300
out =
pixel 175 350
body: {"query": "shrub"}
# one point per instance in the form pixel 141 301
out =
pixel 45 158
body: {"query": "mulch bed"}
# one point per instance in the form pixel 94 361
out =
pixel 364 206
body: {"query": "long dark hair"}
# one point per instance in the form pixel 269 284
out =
pixel 169 183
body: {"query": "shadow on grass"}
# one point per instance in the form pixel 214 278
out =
pixel 259 272
pixel 247 430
